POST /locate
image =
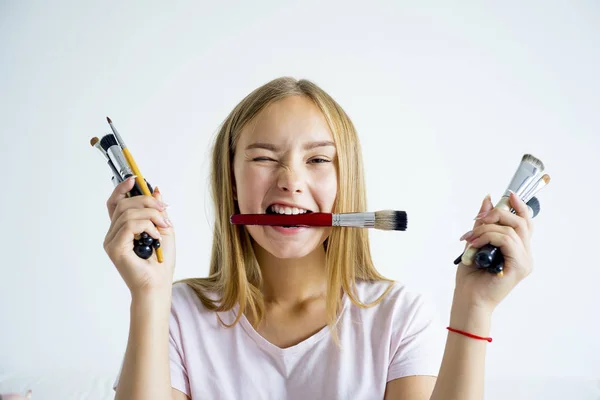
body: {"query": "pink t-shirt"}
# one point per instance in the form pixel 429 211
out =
pixel 399 337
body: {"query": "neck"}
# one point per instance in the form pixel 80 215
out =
pixel 290 282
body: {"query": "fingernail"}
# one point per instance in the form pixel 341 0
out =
pixel 466 235
pixel 163 204
pixel 168 221
pixel 481 215
pixel 516 195
pixel 132 177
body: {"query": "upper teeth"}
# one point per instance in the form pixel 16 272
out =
pixel 286 210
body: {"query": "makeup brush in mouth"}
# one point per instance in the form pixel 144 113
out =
pixel 386 220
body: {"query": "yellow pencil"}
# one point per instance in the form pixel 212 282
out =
pixel 136 171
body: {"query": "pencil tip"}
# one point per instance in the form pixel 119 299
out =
pixel 109 120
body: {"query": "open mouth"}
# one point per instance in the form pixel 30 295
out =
pixel 278 209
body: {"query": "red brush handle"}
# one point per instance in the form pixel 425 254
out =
pixel 310 219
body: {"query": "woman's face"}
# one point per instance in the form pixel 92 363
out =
pixel 285 162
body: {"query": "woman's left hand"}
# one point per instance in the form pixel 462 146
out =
pixel 511 233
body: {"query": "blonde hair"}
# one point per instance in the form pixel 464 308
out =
pixel 235 275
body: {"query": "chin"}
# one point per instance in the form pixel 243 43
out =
pixel 287 248
pixel 288 253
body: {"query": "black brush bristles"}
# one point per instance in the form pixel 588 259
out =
pixel 534 203
pixel 390 220
pixel 107 141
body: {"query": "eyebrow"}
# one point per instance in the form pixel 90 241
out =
pixel 307 146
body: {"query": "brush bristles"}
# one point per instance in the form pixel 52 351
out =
pixel 107 141
pixel 528 158
pixel 94 140
pixel 534 204
pixel 390 220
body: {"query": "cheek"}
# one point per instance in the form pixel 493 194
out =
pixel 251 184
pixel 251 178
pixel 326 190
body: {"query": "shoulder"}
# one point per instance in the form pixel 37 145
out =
pixel 407 325
pixel 399 308
pixel 398 295
pixel 183 296
pixel 182 292
pixel 186 304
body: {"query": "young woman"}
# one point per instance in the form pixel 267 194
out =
pixel 297 313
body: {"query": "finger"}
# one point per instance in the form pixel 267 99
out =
pixel 151 214
pixel 506 218
pixel 520 207
pixel 491 228
pixel 135 214
pixel 126 234
pixel 119 193
pixel 136 202
pixel 486 206
pixel 158 195
pixel 505 242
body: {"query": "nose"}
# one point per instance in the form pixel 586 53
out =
pixel 290 180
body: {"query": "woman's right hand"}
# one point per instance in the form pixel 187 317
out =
pixel 130 216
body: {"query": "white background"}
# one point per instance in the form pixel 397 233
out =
pixel 446 97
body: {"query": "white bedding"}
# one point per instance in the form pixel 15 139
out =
pixel 79 385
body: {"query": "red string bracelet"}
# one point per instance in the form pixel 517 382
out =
pixel 489 339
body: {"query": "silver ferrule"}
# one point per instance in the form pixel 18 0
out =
pixel 539 185
pixel 116 156
pixel 356 220
pixel 523 177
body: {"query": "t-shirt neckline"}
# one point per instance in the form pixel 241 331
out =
pixel 299 347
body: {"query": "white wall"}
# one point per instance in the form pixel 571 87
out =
pixel 446 99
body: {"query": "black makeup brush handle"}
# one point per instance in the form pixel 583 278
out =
pixel 488 257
